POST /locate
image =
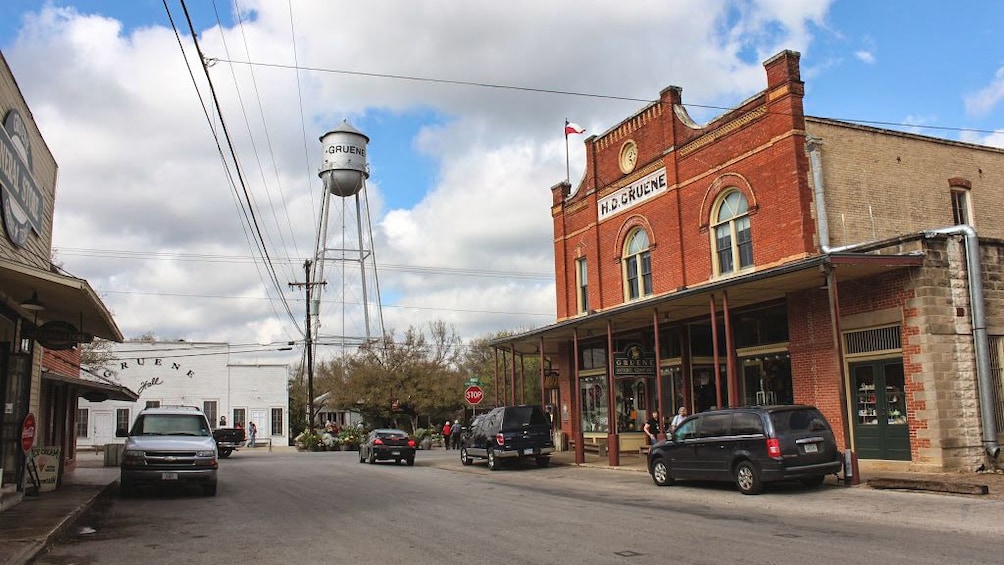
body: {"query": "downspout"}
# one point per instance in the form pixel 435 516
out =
pixel 976 301
pixel 812 145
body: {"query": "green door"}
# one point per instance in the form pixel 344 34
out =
pixel 880 428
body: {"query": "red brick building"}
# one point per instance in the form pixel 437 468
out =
pixel 770 257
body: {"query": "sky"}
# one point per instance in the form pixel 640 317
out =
pixel 464 104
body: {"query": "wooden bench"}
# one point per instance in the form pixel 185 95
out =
pixel 598 446
pixel 643 450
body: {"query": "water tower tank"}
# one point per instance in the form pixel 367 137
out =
pixel 343 164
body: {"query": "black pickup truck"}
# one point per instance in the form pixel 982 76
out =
pixel 228 440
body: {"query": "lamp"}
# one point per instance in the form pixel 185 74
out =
pixel 33 303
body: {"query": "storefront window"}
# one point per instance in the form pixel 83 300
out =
pixel 593 392
pixel 632 404
pixel 767 379
pixel 672 390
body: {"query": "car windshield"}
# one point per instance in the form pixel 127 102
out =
pixel 392 434
pixel 801 420
pixel 171 425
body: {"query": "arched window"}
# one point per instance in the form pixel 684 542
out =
pixel 731 228
pixel 637 266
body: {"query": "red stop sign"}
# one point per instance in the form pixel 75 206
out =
pixel 474 394
pixel 28 432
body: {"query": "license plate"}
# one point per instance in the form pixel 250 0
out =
pixel 395 453
pixel 528 451
pixel 811 448
pixel 169 476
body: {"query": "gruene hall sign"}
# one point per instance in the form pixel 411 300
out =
pixel 20 197
pixel 634 362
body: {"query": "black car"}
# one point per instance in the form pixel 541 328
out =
pixel 509 433
pixel 385 444
pixel 750 446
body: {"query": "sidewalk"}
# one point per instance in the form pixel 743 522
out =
pixel 27 528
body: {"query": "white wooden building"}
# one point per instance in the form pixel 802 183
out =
pixel 192 374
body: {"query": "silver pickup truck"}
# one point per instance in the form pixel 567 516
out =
pixel 169 445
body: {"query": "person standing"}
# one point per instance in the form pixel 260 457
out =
pixel 447 429
pixel 680 415
pixel 252 434
pixel 652 427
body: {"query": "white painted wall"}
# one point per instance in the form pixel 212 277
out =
pixel 192 373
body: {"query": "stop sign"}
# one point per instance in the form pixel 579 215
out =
pixel 474 394
pixel 28 433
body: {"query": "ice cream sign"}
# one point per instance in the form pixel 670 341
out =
pixel 20 196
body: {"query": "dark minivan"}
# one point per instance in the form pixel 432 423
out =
pixel 509 433
pixel 750 446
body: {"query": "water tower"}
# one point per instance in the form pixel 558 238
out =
pixel 348 312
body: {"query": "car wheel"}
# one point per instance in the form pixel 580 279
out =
pixel 543 461
pixel 372 458
pixel 747 478
pixel 464 457
pixel 224 453
pixel 493 463
pixel 660 473
pixel 209 490
pixel 126 490
pixel 813 481
pixel 410 461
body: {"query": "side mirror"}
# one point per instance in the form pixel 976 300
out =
pixel 121 432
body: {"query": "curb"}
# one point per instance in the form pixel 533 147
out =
pixel 927 485
pixel 32 549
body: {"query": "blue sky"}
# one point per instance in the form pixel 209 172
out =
pixel 461 166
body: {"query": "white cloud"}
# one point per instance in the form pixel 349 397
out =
pixel 140 172
pixel 865 56
pixel 986 99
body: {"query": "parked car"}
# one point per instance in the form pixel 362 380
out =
pixel 751 446
pixel 228 440
pixel 169 445
pixel 510 433
pixel 383 444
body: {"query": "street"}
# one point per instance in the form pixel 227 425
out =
pixel 327 507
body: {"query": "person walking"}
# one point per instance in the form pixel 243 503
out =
pixel 252 434
pixel 652 427
pixel 447 429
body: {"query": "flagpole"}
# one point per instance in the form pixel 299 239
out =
pixel 568 174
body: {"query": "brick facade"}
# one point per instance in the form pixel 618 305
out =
pixel 850 200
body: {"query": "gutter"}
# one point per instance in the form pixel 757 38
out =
pixel 977 306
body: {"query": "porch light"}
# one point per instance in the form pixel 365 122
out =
pixel 33 303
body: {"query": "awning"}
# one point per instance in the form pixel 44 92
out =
pixel 93 390
pixel 744 290
pixel 66 299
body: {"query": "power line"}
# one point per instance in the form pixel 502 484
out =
pixel 560 92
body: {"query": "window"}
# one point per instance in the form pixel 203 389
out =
pixel 960 206
pixel 209 407
pixel 593 398
pixel 637 266
pixel 153 404
pixel 581 285
pixel 277 421
pixel 83 421
pixel 239 417
pixel 731 228
pixel 122 419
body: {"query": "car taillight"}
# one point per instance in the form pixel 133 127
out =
pixel 378 441
pixel 411 443
pixel 773 447
pixel 499 438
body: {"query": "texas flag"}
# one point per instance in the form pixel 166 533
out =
pixel 573 128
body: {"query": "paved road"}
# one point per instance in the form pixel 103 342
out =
pixel 326 507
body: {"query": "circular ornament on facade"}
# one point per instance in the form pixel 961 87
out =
pixel 629 156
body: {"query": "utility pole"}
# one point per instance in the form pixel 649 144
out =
pixel 310 345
